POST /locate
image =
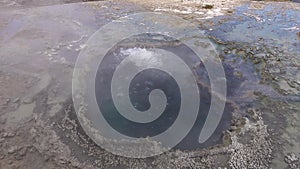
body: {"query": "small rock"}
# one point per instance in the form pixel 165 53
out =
pixel 260 55
pixel 238 74
pixel 16 100
pixel 249 51
pixel 234 51
pixel 298 34
pixel 274 70
pixel 116 8
pixel 291 158
pixel 292 84
pixel 62 161
pixel 27 100
pixel 23 151
pixel 12 149
pixel 226 51
pixel 241 53
pixel 207 6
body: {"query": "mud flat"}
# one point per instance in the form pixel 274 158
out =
pixel 257 41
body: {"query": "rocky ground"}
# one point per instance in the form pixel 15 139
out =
pixel 258 41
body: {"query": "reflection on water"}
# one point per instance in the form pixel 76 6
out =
pixel 150 79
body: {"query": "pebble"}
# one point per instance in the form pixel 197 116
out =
pixel 16 100
pixel 274 70
pixel 260 55
pixel 12 149
pixel 27 100
pixel 208 6
pixel 234 51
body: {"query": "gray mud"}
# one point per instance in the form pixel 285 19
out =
pixel 257 41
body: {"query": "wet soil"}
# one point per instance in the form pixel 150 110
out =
pixel 257 42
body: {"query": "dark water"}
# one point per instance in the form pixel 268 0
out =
pixel 150 79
